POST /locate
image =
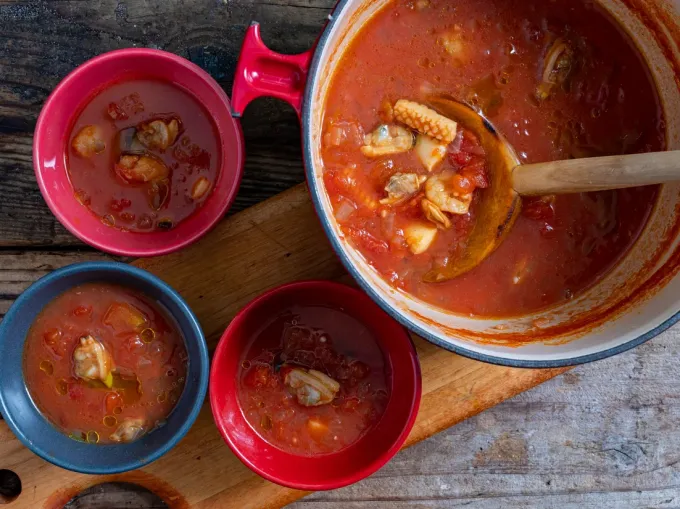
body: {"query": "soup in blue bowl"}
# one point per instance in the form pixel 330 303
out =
pixel 105 368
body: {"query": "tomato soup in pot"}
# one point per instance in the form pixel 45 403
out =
pixel 554 78
pixel 497 55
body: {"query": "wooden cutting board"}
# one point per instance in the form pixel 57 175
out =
pixel 277 241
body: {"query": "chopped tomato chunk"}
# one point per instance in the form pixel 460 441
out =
pixel 366 240
pixel 123 317
pixel 83 311
pixel 261 376
pixel 317 428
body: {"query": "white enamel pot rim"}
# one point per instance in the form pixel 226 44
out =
pixel 654 313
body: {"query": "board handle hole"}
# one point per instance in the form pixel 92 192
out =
pixel 10 486
pixel 119 494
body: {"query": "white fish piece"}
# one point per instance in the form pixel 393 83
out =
pixel 431 152
pixel 420 236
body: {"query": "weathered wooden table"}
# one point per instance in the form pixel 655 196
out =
pixel 605 435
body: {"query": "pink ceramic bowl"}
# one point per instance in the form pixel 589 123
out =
pixel 70 97
pixel 353 463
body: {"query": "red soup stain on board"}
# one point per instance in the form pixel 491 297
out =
pixel 559 246
pixel 292 417
pixel 143 155
pixel 148 361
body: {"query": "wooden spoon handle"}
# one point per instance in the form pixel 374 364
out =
pixel 596 173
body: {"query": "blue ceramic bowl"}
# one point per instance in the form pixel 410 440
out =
pixel 35 431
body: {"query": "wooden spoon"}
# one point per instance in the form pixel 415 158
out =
pixel 509 180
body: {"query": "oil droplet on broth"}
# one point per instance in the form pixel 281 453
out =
pixel 118 410
pixel 110 421
pixel 82 197
pixel 109 220
pixel 47 368
pixel 62 387
pixel 92 437
pixel 148 335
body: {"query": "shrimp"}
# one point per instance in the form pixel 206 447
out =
pixel 311 388
pixel 440 192
pixel 140 169
pixel 89 141
pixel 91 361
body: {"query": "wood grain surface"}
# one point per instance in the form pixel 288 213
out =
pixel 602 436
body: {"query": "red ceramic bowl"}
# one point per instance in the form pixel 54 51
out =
pixel 353 463
pixel 72 95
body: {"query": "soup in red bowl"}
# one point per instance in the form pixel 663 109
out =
pixel 136 152
pixel 313 386
pixel 143 156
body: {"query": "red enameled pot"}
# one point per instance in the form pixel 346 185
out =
pixel 638 299
pixel 67 101
pixel 353 463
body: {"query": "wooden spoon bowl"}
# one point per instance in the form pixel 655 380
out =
pixel 501 202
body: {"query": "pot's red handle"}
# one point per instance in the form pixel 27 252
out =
pixel 262 72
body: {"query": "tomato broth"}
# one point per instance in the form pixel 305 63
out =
pixel 144 351
pixel 129 173
pixel 309 339
pixel 558 78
